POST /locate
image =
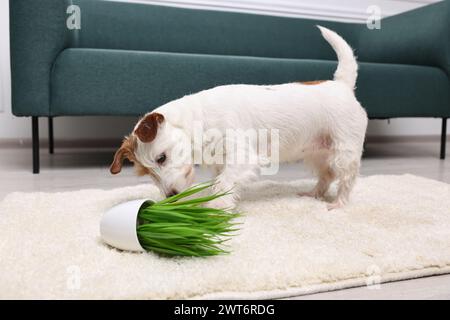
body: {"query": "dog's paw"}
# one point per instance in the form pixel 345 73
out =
pixel 222 203
pixel 335 205
pixel 311 194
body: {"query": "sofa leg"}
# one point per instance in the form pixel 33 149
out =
pixel 35 139
pixel 443 137
pixel 51 141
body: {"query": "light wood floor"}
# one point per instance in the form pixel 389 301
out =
pixel 73 169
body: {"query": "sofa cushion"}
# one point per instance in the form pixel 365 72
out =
pixel 120 82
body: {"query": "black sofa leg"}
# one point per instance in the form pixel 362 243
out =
pixel 35 138
pixel 51 141
pixel 443 137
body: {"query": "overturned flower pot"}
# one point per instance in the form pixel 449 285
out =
pixel 175 226
pixel 119 225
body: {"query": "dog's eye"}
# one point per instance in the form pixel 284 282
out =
pixel 161 158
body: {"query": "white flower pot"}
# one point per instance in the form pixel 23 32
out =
pixel 118 226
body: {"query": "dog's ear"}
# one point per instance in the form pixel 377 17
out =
pixel 116 165
pixel 148 127
pixel 125 151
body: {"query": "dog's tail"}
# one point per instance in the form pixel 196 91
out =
pixel 347 66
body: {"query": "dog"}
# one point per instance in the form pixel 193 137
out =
pixel 320 122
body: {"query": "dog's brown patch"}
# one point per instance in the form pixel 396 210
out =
pixel 148 127
pixel 188 172
pixel 126 151
pixel 311 83
pixel 143 171
pixel 140 169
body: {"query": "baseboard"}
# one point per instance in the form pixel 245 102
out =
pixel 410 139
pixel 110 143
pixel 107 143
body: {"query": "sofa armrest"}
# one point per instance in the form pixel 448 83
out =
pixel 38 34
pixel 418 37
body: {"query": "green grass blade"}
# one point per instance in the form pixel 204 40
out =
pixel 186 227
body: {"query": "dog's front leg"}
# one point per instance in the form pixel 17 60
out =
pixel 230 178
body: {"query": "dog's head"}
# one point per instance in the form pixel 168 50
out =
pixel 160 150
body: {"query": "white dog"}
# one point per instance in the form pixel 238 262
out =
pixel 320 122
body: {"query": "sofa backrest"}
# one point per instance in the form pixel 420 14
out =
pixel 39 34
pixel 117 25
pixel 417 37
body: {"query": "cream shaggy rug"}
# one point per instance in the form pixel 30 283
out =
pixel 396 227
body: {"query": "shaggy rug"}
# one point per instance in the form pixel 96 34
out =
pixel 396 227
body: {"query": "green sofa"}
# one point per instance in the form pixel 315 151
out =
pixel 129 58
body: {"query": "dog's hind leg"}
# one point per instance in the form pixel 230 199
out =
pixel 346 167
pixel 321 167
pixel 317 157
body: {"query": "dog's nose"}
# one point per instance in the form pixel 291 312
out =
pixel 172 193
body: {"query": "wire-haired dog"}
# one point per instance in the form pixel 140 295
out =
pixel 320 122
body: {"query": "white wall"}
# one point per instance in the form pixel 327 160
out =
pixel 341 10
pixel 111 127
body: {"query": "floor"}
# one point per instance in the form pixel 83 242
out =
pixel 73 169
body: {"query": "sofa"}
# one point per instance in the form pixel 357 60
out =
pixel 129 58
